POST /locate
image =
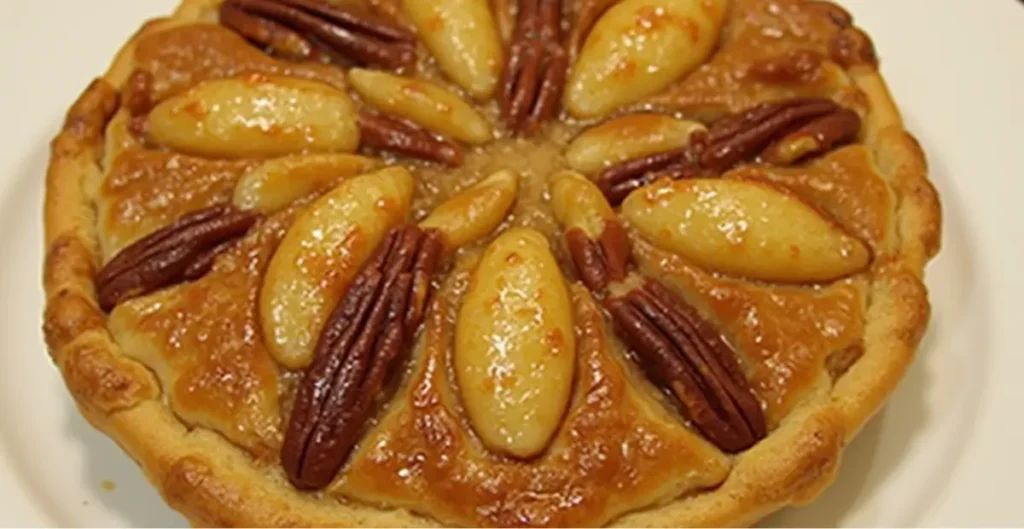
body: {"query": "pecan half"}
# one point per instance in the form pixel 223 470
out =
pixel 294 28
pixel 680 351
pixel 779 133
pixel 402 137
pixel 618 181
pixel 535 73
pixel 359 346
pixel 184 250
pixel 603 261
pixel 745 135
pixel 815 137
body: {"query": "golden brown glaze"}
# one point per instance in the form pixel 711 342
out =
pixel 758 32
pixel 616 450
pixel 784 334
pixel 146 190
pixel 203 341
pixel 533 159
pixel 182 56
pixel 621 447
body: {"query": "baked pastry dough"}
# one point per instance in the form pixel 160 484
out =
pixel 531 263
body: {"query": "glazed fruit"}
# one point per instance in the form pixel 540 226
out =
pixel 744 228
pixel 476 211
pixel 462 36
pixel 276 184
pixel 639 47
pixel 423 103
pixel 627 138
pixel 282 116
pixel 514 345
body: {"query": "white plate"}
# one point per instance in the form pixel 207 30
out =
pixel 943 452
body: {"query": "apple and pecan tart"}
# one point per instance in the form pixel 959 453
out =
pixel 492 263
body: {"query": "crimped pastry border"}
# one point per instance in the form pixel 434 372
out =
pixel 212 483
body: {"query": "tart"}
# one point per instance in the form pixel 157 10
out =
pixel 519 262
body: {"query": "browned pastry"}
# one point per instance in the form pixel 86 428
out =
pixel 487 263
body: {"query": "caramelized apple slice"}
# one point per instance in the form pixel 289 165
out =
pixel 277 183
pixel 514 345
pixel 639 47
pixel 255 117
pixel 476 211
pixel 424 103
pixel 321 254
pixel 578 203
pixel 627 138
pixel 463 37
pixel 743 228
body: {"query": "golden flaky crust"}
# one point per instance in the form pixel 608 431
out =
pixel 213 483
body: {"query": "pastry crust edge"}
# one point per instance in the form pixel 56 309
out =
pixel 213 483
